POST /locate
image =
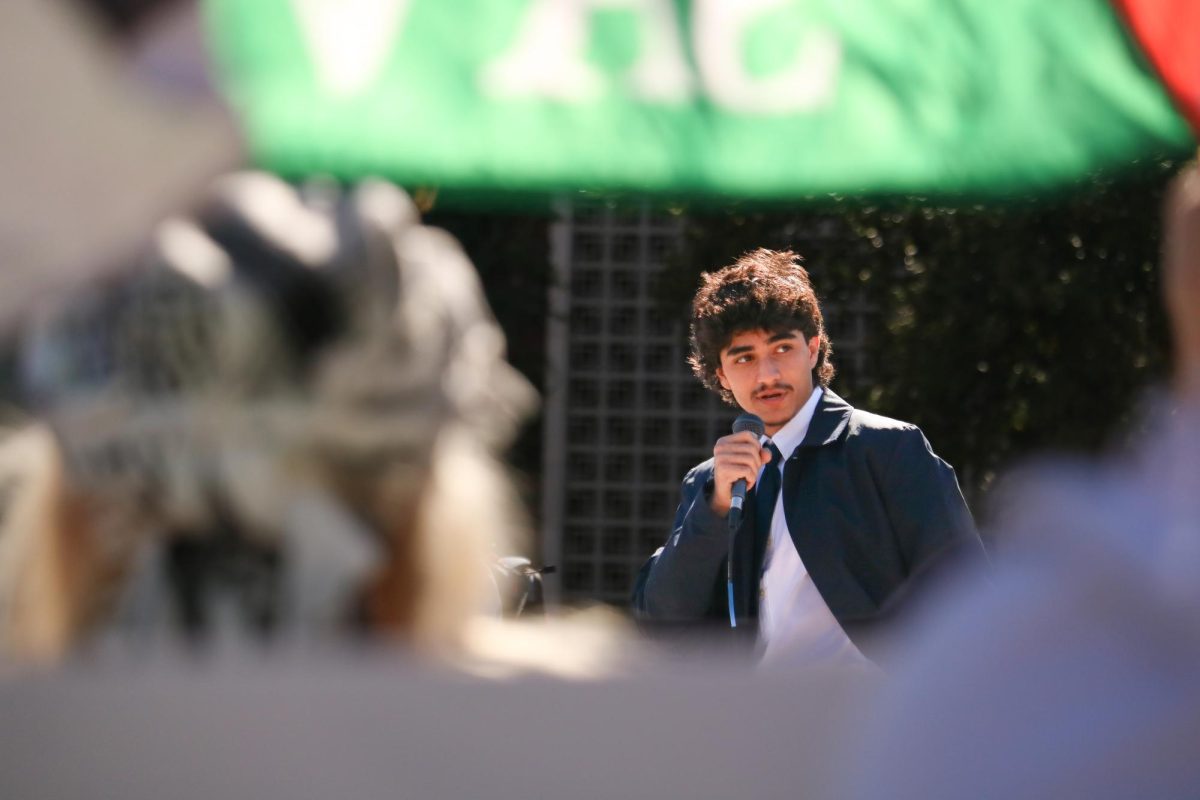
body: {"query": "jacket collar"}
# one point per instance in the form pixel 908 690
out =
pixel 828 422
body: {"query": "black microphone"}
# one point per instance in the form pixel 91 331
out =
pixel 754 424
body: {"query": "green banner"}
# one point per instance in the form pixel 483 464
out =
pixel 746 98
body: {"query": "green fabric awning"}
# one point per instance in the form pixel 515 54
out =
pixel 719 98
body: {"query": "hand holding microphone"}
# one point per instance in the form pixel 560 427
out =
pixel 737 459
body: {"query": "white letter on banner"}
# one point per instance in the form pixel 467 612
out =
pixel 349 40
pixel 719 31
pixel 548 57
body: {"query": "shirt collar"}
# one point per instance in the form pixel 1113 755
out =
pixel 789 437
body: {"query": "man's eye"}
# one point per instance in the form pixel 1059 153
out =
pixel 783 348
pixel 742 360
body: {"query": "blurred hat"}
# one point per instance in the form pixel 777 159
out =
pixel 326 329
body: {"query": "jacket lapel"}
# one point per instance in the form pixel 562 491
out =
pixel 828 424
pixel 829 421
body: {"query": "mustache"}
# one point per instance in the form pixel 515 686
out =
pixel 775 387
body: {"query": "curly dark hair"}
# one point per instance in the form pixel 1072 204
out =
pixel 765 290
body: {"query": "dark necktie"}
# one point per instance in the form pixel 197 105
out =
pixel 766 493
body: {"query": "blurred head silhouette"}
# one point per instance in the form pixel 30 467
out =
pixel 286 385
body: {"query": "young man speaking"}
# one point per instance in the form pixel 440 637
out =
pixel 846 506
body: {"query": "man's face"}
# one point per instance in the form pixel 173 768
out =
pixel 770 374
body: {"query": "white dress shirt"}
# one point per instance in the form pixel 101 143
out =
pixel 795 625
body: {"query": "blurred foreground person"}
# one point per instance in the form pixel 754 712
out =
pixel 281 425
pixel 1076 671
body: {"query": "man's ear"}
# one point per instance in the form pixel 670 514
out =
pixel 721 377
pixel 814 349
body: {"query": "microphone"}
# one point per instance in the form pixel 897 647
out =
pixel 754 424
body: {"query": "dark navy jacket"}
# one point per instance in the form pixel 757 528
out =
pixel 868 504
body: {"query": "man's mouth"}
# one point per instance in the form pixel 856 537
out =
pixel 774 393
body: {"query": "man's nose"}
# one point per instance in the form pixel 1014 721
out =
pixel 768 370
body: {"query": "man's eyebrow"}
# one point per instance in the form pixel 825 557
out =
pixel 777 337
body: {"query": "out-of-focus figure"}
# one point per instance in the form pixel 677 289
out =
pixel 1076 671
pixel 281 424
